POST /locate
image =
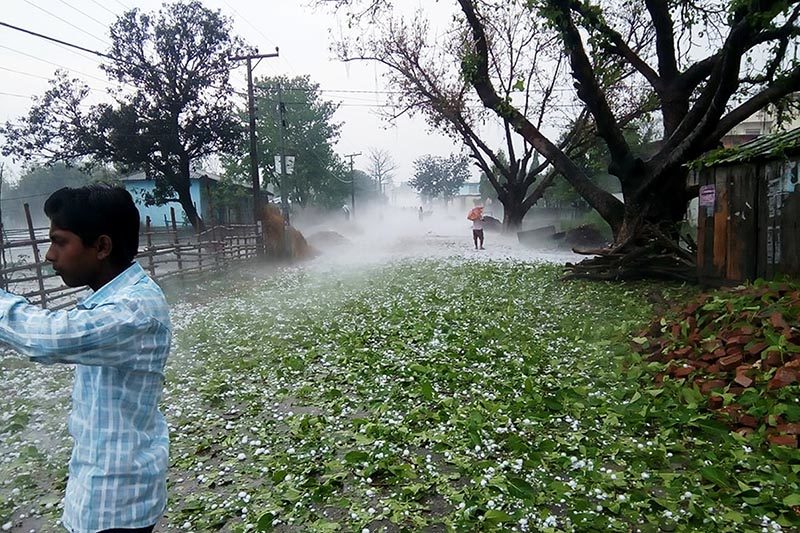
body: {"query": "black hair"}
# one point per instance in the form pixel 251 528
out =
pixel 94 210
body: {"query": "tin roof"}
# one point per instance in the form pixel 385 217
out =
pixel 773 146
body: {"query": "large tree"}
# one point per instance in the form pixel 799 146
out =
pixel 439 177
pixel 309 134
pixel 381 168
pixel 172 106
pixel 426 72
pixel 526 66
pixel 710 66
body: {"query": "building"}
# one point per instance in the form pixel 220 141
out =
pixel 468 195
pixel 749 210
pixel 761 123
pixel 202 189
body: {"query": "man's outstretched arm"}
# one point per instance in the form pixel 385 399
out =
pixel 82 336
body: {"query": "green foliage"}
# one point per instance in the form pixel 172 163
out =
pixel 439 177
pixel 462 396
pixel 309 134
pixel 179 111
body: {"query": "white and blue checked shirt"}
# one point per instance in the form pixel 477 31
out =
pixel 118 338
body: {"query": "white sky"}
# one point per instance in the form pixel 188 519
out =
pixel 301 32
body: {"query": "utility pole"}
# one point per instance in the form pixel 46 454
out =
pixel 281 125
pixel 252 111
pixel 3 282
pixel 352 184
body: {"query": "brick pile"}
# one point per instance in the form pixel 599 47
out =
pixel 729 342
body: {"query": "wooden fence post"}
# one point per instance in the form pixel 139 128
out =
pixel 199 249
pixel 148 230
pixel 3 264
pixel 175 235
pixel 35 247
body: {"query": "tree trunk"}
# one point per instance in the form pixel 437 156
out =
pixel 647 242
pixel 182 183
pixel 513 213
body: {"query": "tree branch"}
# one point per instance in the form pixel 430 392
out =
pixel 476 71
pixel 589 90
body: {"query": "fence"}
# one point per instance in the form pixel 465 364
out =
pixel 163 253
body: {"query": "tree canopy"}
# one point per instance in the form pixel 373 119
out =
pixel 698 68
pixel 527 67
pixel 439 177
pixel 319 176
pixel 172 106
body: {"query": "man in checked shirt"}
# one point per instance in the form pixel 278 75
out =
pixel 118 338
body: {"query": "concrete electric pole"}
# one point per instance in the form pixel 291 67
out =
pixel 252 111
pixel 352 184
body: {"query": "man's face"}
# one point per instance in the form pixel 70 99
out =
pixel 76 263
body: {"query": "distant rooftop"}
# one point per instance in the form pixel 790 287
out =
pixel 194 175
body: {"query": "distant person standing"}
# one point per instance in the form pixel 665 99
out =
pixel 476 216
pixel 346 211
pixel 421 213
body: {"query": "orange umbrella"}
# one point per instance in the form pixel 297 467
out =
pixel 475 213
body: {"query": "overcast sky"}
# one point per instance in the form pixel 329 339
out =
pixel 301 32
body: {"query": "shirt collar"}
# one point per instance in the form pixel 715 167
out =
pixel 130 276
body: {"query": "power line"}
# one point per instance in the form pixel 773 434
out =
pixel 53 39
pixel 15 95
pixel 48 79
pixel 83 13
pixel 65 21
pixel 98 4
pixel 25 197
pixel 95 52
pixel 52 63
pixel 247 21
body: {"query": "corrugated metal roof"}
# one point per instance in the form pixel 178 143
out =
pixel 193 175
pixel 773 146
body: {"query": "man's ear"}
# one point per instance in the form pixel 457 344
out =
pixel 103 246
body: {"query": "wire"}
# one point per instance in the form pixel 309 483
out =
pixel 25 197
pixel 95 89
pixel 51 63
pixel 53 39
pixel 98 4
pixel 103 24
pixel 15 95
pixel 65 21
pixel 247 21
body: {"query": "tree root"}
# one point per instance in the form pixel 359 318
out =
pixel 652 255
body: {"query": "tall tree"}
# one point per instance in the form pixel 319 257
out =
pixel 439 177
pixel 525 65
pixel 381 168
pixel 172 107
pixel 309 134
pixel 701 95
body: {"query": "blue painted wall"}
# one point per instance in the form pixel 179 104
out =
pixel 158 212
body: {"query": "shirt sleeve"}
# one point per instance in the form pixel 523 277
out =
pixel 80 336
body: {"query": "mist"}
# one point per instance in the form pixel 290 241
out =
pixel 381 233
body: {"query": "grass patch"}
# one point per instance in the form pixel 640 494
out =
pixel 446 396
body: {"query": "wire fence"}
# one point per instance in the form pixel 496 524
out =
pixel 164 252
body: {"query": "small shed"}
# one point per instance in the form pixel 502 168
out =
pixel 749 211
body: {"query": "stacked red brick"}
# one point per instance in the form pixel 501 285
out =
pixel 731 341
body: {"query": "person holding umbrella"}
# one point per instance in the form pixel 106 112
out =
pixel 476 216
